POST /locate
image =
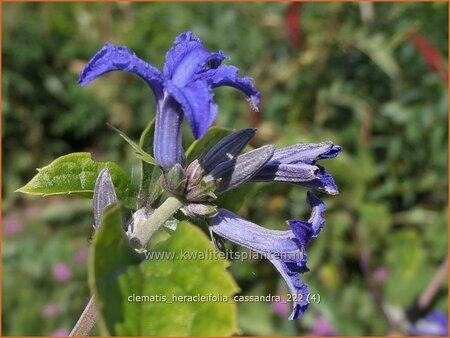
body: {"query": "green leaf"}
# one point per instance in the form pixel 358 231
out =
pixel 141 154
pixel 110 255
pixel 168 277
pixel 150 185
pixel 211 138
pixel 76 174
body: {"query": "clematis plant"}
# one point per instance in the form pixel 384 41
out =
pixel 184 89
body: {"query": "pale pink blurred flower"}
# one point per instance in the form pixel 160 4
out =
pixel 322 327
pixel 380 274
pixel 281 308
pixel 31 212
pixel 11 226
pixel 60 333
pixel 50 310
pixel 80 257
pixel 61 272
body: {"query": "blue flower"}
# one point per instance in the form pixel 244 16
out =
pixel 184 88
pixel 286 250
pixel 295 164
pixel 434 324
pixel 223 168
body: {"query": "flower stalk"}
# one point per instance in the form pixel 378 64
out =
pixel 87 320
pixel 104 195
pixel 145 230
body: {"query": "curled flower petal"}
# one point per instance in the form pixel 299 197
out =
pixel 307 175
pixel 228 76
pixel 296 165
pixel 198 105
pixel 228 148
pixel 305 230
pixel 167 145
pixel 306 152
pixel 291 274
pixel 286 250
pixel 323 182
pixel 234 172
pixel 188 58
pixel 189 75
pixel 110 58
pixel 104 194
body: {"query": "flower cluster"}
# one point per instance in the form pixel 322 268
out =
pixel 184 89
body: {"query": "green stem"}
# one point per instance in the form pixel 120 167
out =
pixel 145 231
pixel 140 238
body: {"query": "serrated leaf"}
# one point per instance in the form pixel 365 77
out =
pixel 201 146
pixel 150 185
pixel 167 277
pixel 110 255
pixel 76 174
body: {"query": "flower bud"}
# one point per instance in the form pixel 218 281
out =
pixel 175 180
pixel 200 210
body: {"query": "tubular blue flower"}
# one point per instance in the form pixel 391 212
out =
pixel 297 165
pixel 294 164
pixel 286 249
pixel 183 89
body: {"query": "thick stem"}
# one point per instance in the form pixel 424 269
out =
pixel 140 238
pixel 87 320
pixel 142 234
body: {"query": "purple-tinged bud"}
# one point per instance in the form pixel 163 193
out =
pixel 203 191
pixel 227 149
pixel 200 210
pixel 175 180
pixel 234 172
pixel 194 173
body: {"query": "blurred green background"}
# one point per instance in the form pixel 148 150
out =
pixel 370 77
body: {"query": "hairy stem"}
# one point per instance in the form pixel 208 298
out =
pixel 143 233
pixel 140 239
pixel 87 320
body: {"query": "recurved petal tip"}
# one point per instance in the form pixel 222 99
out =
pixel 110 58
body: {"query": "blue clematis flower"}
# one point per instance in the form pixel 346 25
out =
pixel 296 164
pixel 286 250
pixel 183 89
pixel 223 168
